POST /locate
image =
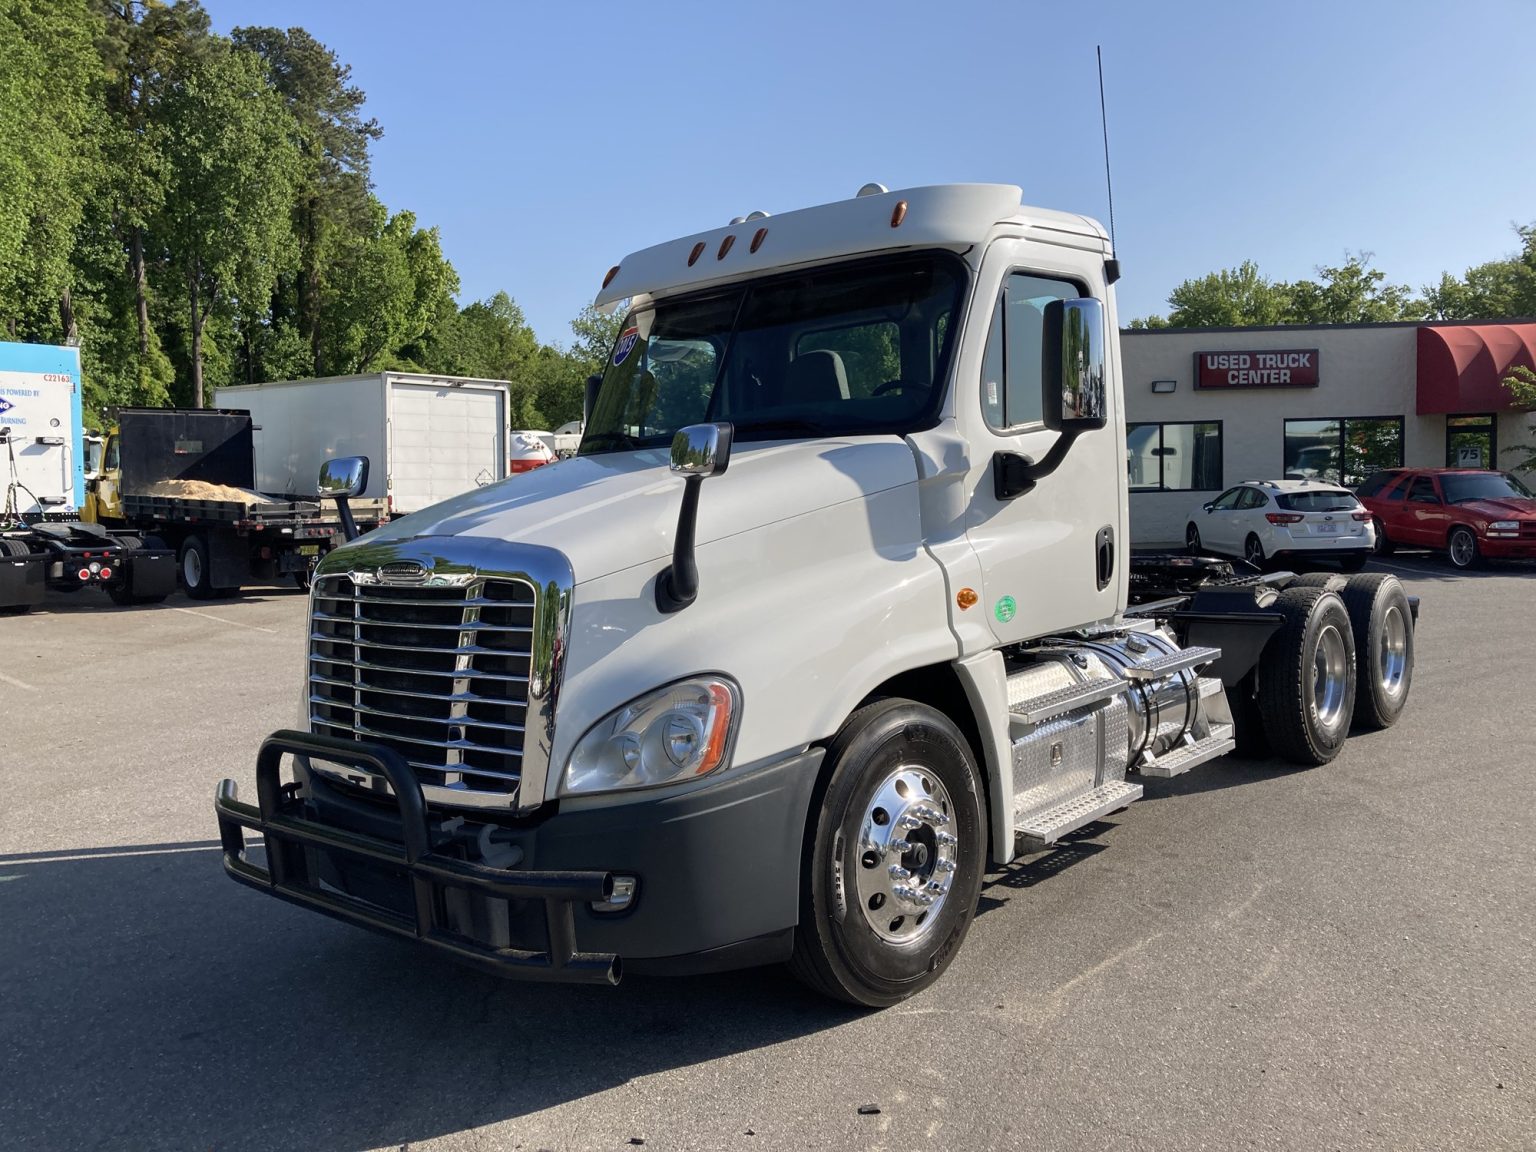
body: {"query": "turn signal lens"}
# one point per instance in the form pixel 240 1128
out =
pixel 966 598
pixel 898 213
pixel 1505 526
pixel 1284 517
pixel 106 573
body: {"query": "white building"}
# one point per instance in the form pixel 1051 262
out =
pixel 1212 407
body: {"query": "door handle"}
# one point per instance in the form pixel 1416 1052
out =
pixel 1104 556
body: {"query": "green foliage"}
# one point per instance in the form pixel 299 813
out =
pixel 1521 383
pixel 233 169
pixel 1242 297
pixel 1498 290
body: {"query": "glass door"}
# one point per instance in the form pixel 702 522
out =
pixel 1471 441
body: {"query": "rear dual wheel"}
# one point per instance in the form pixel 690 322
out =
pixel 893 865
pixel 1306 677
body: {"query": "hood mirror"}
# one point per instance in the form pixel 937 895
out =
pixel 341 479
pixel 699 450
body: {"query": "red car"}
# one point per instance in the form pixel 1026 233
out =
pixel 1467 513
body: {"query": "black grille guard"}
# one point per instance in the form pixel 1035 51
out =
pixel 279 819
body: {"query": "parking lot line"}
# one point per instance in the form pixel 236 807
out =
pixel 15 683
pixel 222 620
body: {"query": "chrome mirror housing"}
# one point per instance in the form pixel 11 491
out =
pixel 702 449
pixel 344 476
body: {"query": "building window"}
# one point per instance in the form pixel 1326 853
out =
pixel 1471 441
pixel 1010 366
pixel 1344 450
pixel 1174 457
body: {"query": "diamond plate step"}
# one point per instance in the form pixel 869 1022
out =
pixel 1037 832
pixel 1172 662
pixel 1036 709
pixel 1181 759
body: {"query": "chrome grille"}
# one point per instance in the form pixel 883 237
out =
pixel 439 674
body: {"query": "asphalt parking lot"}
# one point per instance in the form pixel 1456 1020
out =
pixel 1253 957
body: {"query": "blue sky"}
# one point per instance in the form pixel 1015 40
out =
pixel 546 140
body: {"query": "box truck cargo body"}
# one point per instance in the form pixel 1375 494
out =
pixel 428 437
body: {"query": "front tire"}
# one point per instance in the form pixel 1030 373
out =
pixel 1461 547
pixel 894 862
pixel 1192 543
pixel 1307 677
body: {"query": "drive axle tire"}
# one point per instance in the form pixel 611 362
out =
pixel 894 855
pixel 1306 677
pixel 1382 621
pixel 1332 581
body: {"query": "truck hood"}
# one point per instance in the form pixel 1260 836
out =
pixel 1508 508
pixel 617 510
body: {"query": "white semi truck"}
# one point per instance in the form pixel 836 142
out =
pixel 832 612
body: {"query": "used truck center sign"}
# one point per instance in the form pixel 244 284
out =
pixel 1280 369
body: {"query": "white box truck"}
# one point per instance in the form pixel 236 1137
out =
pixel 644 711
pixel 427 437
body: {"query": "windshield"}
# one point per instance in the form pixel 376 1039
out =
pixel 1462 487
pixel 834 351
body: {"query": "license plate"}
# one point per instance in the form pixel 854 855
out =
pixel 1327 529
pixel 309 549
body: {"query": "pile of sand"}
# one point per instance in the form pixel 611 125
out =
pixel 202 490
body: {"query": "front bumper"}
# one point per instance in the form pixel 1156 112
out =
pixel 1507 547
pixel 717 866
pixel 295 842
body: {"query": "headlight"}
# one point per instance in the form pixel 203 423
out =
pixel 1504 526
pixel 674 733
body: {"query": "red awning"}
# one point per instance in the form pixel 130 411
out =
pixel 1462 367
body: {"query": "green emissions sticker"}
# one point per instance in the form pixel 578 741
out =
pixel 1005 609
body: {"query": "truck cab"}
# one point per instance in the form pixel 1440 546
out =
pixel 829 612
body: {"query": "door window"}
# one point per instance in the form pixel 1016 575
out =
pixel 1252 498
pixel 1423 491
pixel 1228 500
pixel 1011 362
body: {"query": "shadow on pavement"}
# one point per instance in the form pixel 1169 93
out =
pixel 151 1003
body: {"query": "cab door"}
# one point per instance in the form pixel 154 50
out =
pixel 1052 557
pixel 103 498
pixel 1428 520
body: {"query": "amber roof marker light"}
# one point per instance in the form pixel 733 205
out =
pixel 898 213
pixel 725 246
pixel 698 250
pixel 612 272
pixel 757 240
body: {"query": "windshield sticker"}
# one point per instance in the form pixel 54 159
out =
pixel 625 346
pixel 1005 609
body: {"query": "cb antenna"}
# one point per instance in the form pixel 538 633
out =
pixel 1109 186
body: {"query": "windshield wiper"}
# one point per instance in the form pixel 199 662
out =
pixel 795 427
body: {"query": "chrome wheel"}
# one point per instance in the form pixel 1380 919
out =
pixel 1330 676
pixel 1394 652
pixel 1463 548
pixel 907 855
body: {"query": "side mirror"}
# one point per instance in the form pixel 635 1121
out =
pixel 699 450
pixel 1073 370
pixel 589 398
pixel 344 476
pixel 341 479
pixel 1209 505
pixel 702 449
pixel 1073 380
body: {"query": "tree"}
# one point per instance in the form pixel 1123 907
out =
pixel 1236 297
pixel 1521 383
pixel 233 168
pixel 333 204
pixel 1498 290
pixel 50 124
pixel 1354 293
